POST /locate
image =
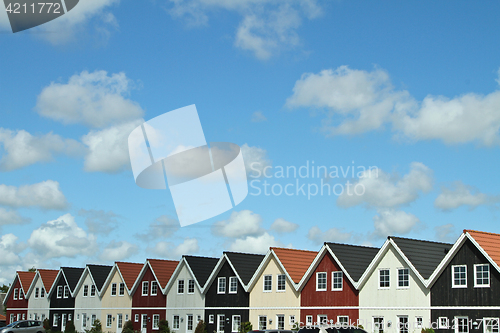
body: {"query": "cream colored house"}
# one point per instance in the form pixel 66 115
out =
pixel 274 295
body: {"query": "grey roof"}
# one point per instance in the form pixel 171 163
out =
pixel 99 274
pixel 354 258
pixel 201 267
pixel 245 264
pixel 72 275
pixel 424 255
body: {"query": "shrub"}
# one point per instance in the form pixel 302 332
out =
pixel 46 324
pixel 296 327
pixel 70 327
pixel 427 330
pixel 245 327
pixel 163 326
pixel 201 327
pixel 128 327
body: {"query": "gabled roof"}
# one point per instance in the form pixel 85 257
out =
pixel 128 272
pixel 47 276
pixel 200 269
pixel 490 243
pixel 72 276
pixel 98 274
pixel 25 280
pixel 162 271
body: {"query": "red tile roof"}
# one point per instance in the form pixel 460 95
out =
pixel 163 269
pixel 490 242
pixel 296 262
pixel 2 317
pixel 129 271
pixel 48 276
pixel 25 278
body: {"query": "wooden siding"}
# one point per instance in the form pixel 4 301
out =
pixel 12 305
pixel 58 303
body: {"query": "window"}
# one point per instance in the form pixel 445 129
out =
pixel 262 323
pixel 268 283
pixel 156 319
pixel 343 320
pixel 136 319
pixel 459 277
pixel 190 286
pixel 281 282
pixel 490 325
pixel 113 289
pixel 55 320
pixel 322 319
pixel 109 320
pixel 419 322
pixel 154 288
pixel 92 319
pixel 280 322
pixel 482 273
pixel 403 277
pixel 309 320
pixel 383 278
pixel 145 288
pixel 189 322
pixel 175 325
pixel 378 324
pixel 85 290
pixel 66 291
pixel 31 316
pixel 220 322
pixel 18 316
pixel 443 323
pixel 37 291
pixel 180 287
pixel 69 316
pixel 292 320
pixel 59 292
pixel 221 285
pixel 461 324
pixel 321 281
pixel 144 321
pixel 233 285
pixel 43 316
pixel 42 292
pixel 126 317
pixel 12 318
pixel 119 320
pixel 337 280
pixel 24 316
pixel 122 289
pixel 403 324
pixel 211 319
pixel 21 294
pixel 16 293
pixel 84 320
pixel 92 291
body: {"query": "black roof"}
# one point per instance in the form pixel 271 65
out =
pixel 424 255
pixel 245 264
pixel 201 267
pixel 99 274
pixel 354 258
pixel 72 275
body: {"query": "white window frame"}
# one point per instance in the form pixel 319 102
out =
pixel 343 316
pixel 42 292
pixel 219 285
pixel 317 281
pixel 114 290
pixel 121 289
pixel 341 280
pixel 455 323
pixel 119 321
pixel 109 320
pixel 191 286
pixel 260 322
pixel 231 279
pixel 192 323
pixel 309 320
pixel 453 285
pixel 66 292
pixel 84 320
pixel 443 323
pixel 233 322
pixel 270 281
pixel 322 318
pixel 59 291
pixel 136 318
pixel 291 320
pixel 154 283
pixel 402 287
pixel 211 319
pixel 421 324
pixel 476 285
pixel 145 288
pixel 377 329
pixel 16 294
pixel 401 329
pixel 278 277
pixel 155 322
pixel 85 290
pixel 92 319
pixel 21 294
pixel 379 280
pixel 93 290
pixel 486 320
pixel 223 321
pixel 37 292
pixel 176 322
pixel 55 320
pixel 278 317
pixel 180 283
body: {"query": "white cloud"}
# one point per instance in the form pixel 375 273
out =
pixel 446 233
pixel 266 27
pixel 46 195
pixel 169 250
pixel 116 251
pixel 108 148
pixel 258 117
pixel 382 190
pixel 23 149
pixel 280 225
pixel 9 250
pixel 256 160
pixel 95 99
pixel 391 222
pixel 239 224
pixel 460 194
pixel 11 217
pixel 163 227
pixel 61 238
pixel 255 244
pixel 99 221
pixel 318 236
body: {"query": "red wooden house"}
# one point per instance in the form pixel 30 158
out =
pixel 149 301
pixel 15 301
pixel 328 289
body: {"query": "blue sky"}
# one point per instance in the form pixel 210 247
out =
pixel 411 88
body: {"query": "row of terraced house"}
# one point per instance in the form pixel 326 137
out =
pixel 402 287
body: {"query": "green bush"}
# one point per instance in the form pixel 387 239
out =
pixel 163 326
pixel 46 324
pixel 201 327
pixel 128 327
pixel 427 330
pixel 70 327
pixel 245 327
pixel 296 327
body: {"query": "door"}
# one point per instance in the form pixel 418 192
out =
pixel 220 323
pixel 119 323
pixel 189 323
pixel 63 322
pixel 144 323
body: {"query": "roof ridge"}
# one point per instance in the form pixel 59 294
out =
pixel 252 254
pixel 419 240
pixel 171 260
pixel 191 256
pixel 481 232
pixel 288 249
pixel 353 245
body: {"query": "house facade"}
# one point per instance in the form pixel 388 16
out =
pixel 15 302
pixel 39 302
pixel 275 285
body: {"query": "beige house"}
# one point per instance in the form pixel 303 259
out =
pixel 274 298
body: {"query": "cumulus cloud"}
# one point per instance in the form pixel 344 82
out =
pixel 318 236
pixel 11 217
pixel 163 227
pixel 446 233
pixel 280 225
pixel 239 224
pixel 393 222
pixel 94 99
pixel 359 101
pixel 99 221
pixel 170 250
pixel 116 251
pixel 258 117
pixel 9 249
pixel 383 190
pixel 256 160
pixel 46 195
pixel 61 238
pixel 460 194
pixel 266 27
pixel 255 244
pixel 23 149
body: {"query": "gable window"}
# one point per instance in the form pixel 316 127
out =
pixel 122 289
pixel 92 291
pixel 145 288
pixel 221 285
pixel 321 281
pixel 175 325
pixel 443 323
pixel 180 286
pixel 16 294
pixel 268 283
pixel 191 286
pixel 59 292
pixel 403 277
pixel 490 325
pixel 383 278
pixel 236 323
pixel 85 290
pixel 21 294
pixel 262 323
pixel 154 288
pixel 378 324
pixel 482 274
pixel 337 278
pixel 66 291
pixel 461 324
pixel 113 289
pixel 233 285
pixel 37 291
pixel 156 321
pixel 459 276
pixel 281 282
pixel 280 322
pixel 42 292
